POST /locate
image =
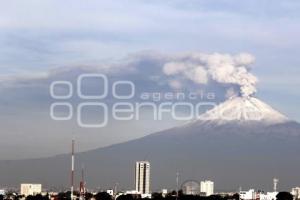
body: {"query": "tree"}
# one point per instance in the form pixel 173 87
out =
pixel 125 197
pixel 157 196
pixel 88 195
pixel 64 196
pixel 236 196
pixel 30 197
pixel 37 197
pixel 284 196
pixel 103 196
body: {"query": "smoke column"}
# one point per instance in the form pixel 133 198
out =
pixel 225 69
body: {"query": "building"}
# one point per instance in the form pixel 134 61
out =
pixel 142 177
pixel 110 192
pixel 207 187
pixel 296 193
pixel 30 189
pixel 135 194
pixel 248 195
pixel 164 192
pixel 148 196
pixel 268 196
pixel 2 192
pixel 191 187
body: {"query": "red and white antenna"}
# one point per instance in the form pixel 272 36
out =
pixel 72 170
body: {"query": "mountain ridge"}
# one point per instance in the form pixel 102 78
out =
pixel 243 109
pixel 229 153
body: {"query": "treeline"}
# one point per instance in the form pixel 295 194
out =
pixel 155 196
pixel 158 196
pixel 106 196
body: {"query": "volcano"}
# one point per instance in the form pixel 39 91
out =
pixel 241 142
pixel 241 110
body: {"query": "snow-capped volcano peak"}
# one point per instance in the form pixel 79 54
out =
pixel 243 109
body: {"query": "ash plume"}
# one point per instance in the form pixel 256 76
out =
pixel 229 70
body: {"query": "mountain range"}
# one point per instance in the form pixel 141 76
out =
pixel 241 142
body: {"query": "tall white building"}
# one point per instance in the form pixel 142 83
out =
pixel 30 189
pixel 207 187
pixel 142 177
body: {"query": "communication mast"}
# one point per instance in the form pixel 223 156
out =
pixel 177 184
pixel 72 170
pixel 275 182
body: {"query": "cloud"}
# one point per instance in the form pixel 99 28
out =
pixel 175 84
pixel 173 68
pixel 195 73
pixel 32 38
pixel 220 68
pixel 151 72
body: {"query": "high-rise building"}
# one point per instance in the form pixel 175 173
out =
pixel 30 189
pixel 207 187
pixel 142 177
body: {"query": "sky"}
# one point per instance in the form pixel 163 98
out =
pixel 44 41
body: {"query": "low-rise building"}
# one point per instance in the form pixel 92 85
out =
pixel 268 196
pixel 110 192
pixel 2 192
pixel 30 189
pixel 296 193
pixel 207 187
pixel 164 192
pixel 248 195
